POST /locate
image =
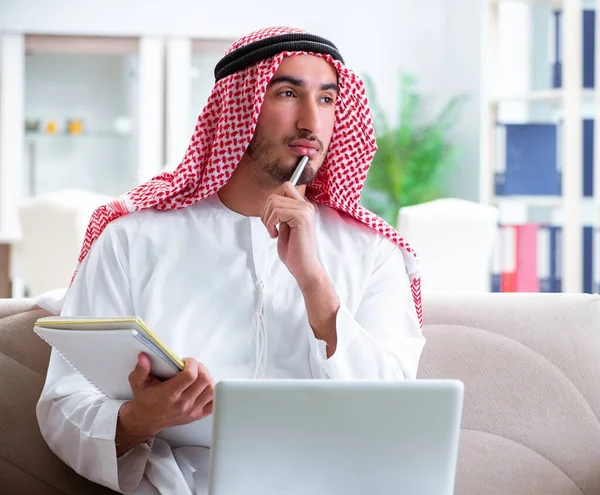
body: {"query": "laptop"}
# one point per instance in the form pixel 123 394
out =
pixel 335 437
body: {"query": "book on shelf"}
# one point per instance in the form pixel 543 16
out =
pixel 588 47
pixel 105 350
pixel 544 262
pixel 526 273
pixel 553 276
pixel 527 259
pixel 528 159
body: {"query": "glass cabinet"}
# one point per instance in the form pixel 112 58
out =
pixel 96 113
pixel 80 114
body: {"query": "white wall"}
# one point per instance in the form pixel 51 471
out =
pixel 461 65
pixel 438 41
pixel 380 39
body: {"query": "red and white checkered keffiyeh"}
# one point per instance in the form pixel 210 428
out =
pixel 223 132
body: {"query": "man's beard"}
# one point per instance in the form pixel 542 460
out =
pixel 276 171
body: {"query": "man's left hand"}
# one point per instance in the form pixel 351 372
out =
pixel 297 248
pixel 296 238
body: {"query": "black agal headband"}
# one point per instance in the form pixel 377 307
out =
pixel 268 47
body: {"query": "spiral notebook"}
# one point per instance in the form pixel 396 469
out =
pixel 105 350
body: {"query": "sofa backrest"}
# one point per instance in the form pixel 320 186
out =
pixel 27 465
pixel 531 368
pixel 530 364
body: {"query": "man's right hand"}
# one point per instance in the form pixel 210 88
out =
pixel 157 405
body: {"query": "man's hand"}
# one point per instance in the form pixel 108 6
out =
pixel 297 249
pixel 296 240
pixel 157 405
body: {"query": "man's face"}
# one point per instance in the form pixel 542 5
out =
pixel 296 119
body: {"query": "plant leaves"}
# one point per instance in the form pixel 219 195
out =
pixel 411 156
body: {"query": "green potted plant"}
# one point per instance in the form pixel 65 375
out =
pixel 412 156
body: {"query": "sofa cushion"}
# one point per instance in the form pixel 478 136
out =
pixel 531 368
pixel 27 465
pixel 493 464
pixel 17 481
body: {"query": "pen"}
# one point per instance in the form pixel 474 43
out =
pixel 299 169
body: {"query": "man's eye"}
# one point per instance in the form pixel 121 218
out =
pixel 287 93
pixel 327 100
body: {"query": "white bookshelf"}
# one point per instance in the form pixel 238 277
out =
pixel 553 96
pixel 569 100
pixel 550 3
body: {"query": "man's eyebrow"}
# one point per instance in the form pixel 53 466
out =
pixel 330 86
pixel 300 83
pixel 287 79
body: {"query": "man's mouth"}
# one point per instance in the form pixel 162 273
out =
pixel 305 147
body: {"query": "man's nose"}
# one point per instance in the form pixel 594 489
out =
pixel 309 119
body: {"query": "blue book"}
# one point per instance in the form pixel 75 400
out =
pixel 496 269
pixel 556 258
pixel 588 157
pixel 588 47
pixel 496 282
pixel 557 62
pixel 527 160
pixel 588 260
pixel 551 275
pixel 549 258
pixel 544 268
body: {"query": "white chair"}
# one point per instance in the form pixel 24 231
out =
pixel 52 231
pixel 454 240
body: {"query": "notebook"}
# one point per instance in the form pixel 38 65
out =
pixel 105 350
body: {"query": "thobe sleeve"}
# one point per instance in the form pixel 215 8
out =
pixel 77 422
pixel 382 338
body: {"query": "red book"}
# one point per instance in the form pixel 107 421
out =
pixel 526 275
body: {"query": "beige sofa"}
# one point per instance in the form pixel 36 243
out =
pixel 530 364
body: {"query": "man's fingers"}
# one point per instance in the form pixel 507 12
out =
pixel 294 217
pixel 272 229
pixel 144 362
pixel 290 191
pixel 283 204
pixel 203 381
pixel 204 403
pixel 284 231
pixel 275 202
pixel 292 209
pixel 140 374
pixel 208 409
pixel 179 383
pixel 275 216
pixel 204 400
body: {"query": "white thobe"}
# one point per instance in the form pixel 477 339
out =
pixel 209 282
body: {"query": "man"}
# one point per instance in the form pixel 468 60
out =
pixel 232 265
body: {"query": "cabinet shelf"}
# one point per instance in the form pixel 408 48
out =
pixel 551 3
pixel 550 201
pixel 83 135
pixel 552 96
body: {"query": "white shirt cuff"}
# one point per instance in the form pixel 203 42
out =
pixel 102 434
pixel 127 470
pixel 341 364
pixel 132 465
